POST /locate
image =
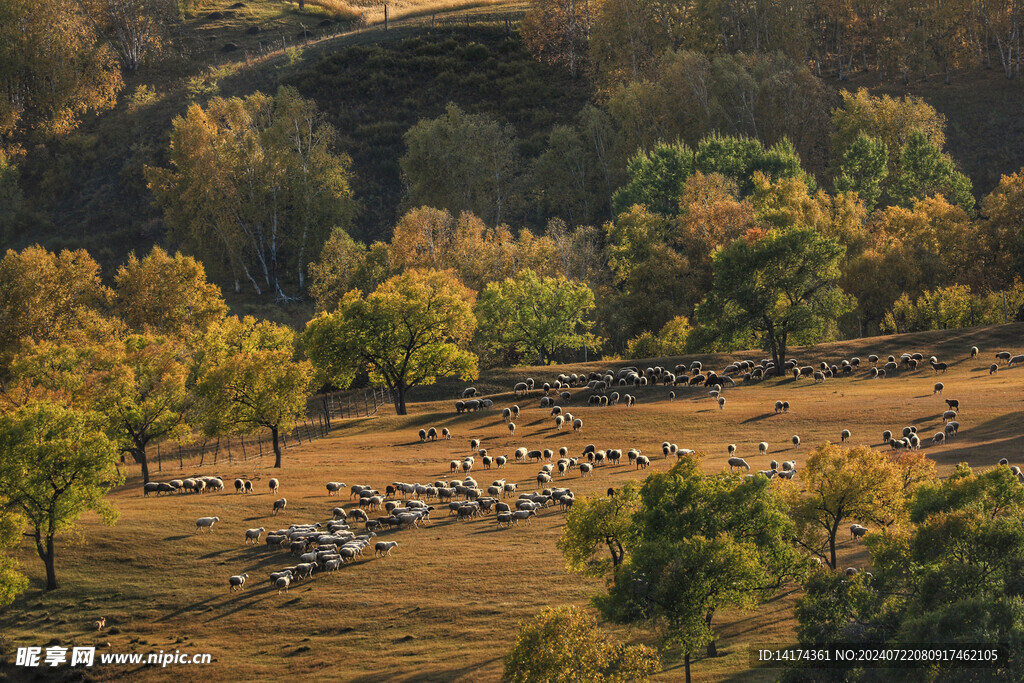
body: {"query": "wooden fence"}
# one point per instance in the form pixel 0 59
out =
pixel 320 411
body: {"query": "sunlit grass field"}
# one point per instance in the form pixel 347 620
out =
pixel 446 605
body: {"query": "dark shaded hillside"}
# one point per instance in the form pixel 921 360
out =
pixel 374 93
pixel 984 114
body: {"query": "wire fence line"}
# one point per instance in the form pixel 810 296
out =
pixel 321 411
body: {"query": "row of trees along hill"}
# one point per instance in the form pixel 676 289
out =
pixel 681 546
pixel 624 38
pixel 900 247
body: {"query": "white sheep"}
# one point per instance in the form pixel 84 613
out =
pixel 280 504
pixel 335 487
pixel 939 437
pixel 974 352
pixel 274 485
pixel 206 523
pixel 796 441
pixel 938 388
pixel 738 462
pixel 721 402
pixel 845 435
pixel 253 535
pixel 511 428
pixel 949 415
pixel 577 425
pixel 382 548
pixel 762 448
pixel 857 531
pixel 731 448
pixel 237 582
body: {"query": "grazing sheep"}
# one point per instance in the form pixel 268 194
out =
pixel 778 406
pixel 851 571
pixel 774 465
pixel 671 396
pixel 280 504
pixel 445 434
pixel 423 435
pixel 577 425
pixel 206 523
pixel 469 392
pixel 993 369
pixel 738 462
pixel 796 442
pixel 953 404
pixel 253 535
pixel 844 435
pixel 1004 461
pixel 974 352
pixel 642 462
pixel 335 487
pixel 938 388
pixel 474 445
pixel 939 437
pixel 949 415
pixel 731 448
pixel 511 428
pixel 237 582
pixel 100 623
pixel 384 548
pixel 239 483
pixel 762 448
pixel 273 484
pixel 857 531
pixel 1003 355
pixel 721 402
pixel 942 366
pixel 1015 360
pixel 585 469
pixel 785 406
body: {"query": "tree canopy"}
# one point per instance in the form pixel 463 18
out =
pixel 55 464
pixel 534 317
pixel 411 330
pixel 778 286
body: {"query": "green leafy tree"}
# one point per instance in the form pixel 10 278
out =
pixel 656 179
pixel 166 294
pixel 12 581
pixel 925 170
pixel 703 543
pixel 596 524
pixel 141 387
pixel 534 316
pixel 739 158
pixel 840 485
pixel 780 286
pixel 650 277
pixel 250 378
pixel 863 169
pixel 55 464
pixel 461 162
pixel 344 265
pixel 411 330
pixel 565 645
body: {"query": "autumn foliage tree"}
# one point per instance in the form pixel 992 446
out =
pixel 53 68
pixel 166 294
pixel 556 31
pixel 411 330
pixel 840 485
pixel 253 183
pixel 565 644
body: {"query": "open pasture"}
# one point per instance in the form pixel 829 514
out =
pixel 445 606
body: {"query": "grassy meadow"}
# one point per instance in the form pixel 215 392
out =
pixel 446 605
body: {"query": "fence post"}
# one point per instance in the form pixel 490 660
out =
pixel 385 16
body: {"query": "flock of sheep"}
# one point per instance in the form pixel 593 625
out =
pixel 325 547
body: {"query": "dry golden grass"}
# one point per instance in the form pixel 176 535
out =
pixel 458 588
